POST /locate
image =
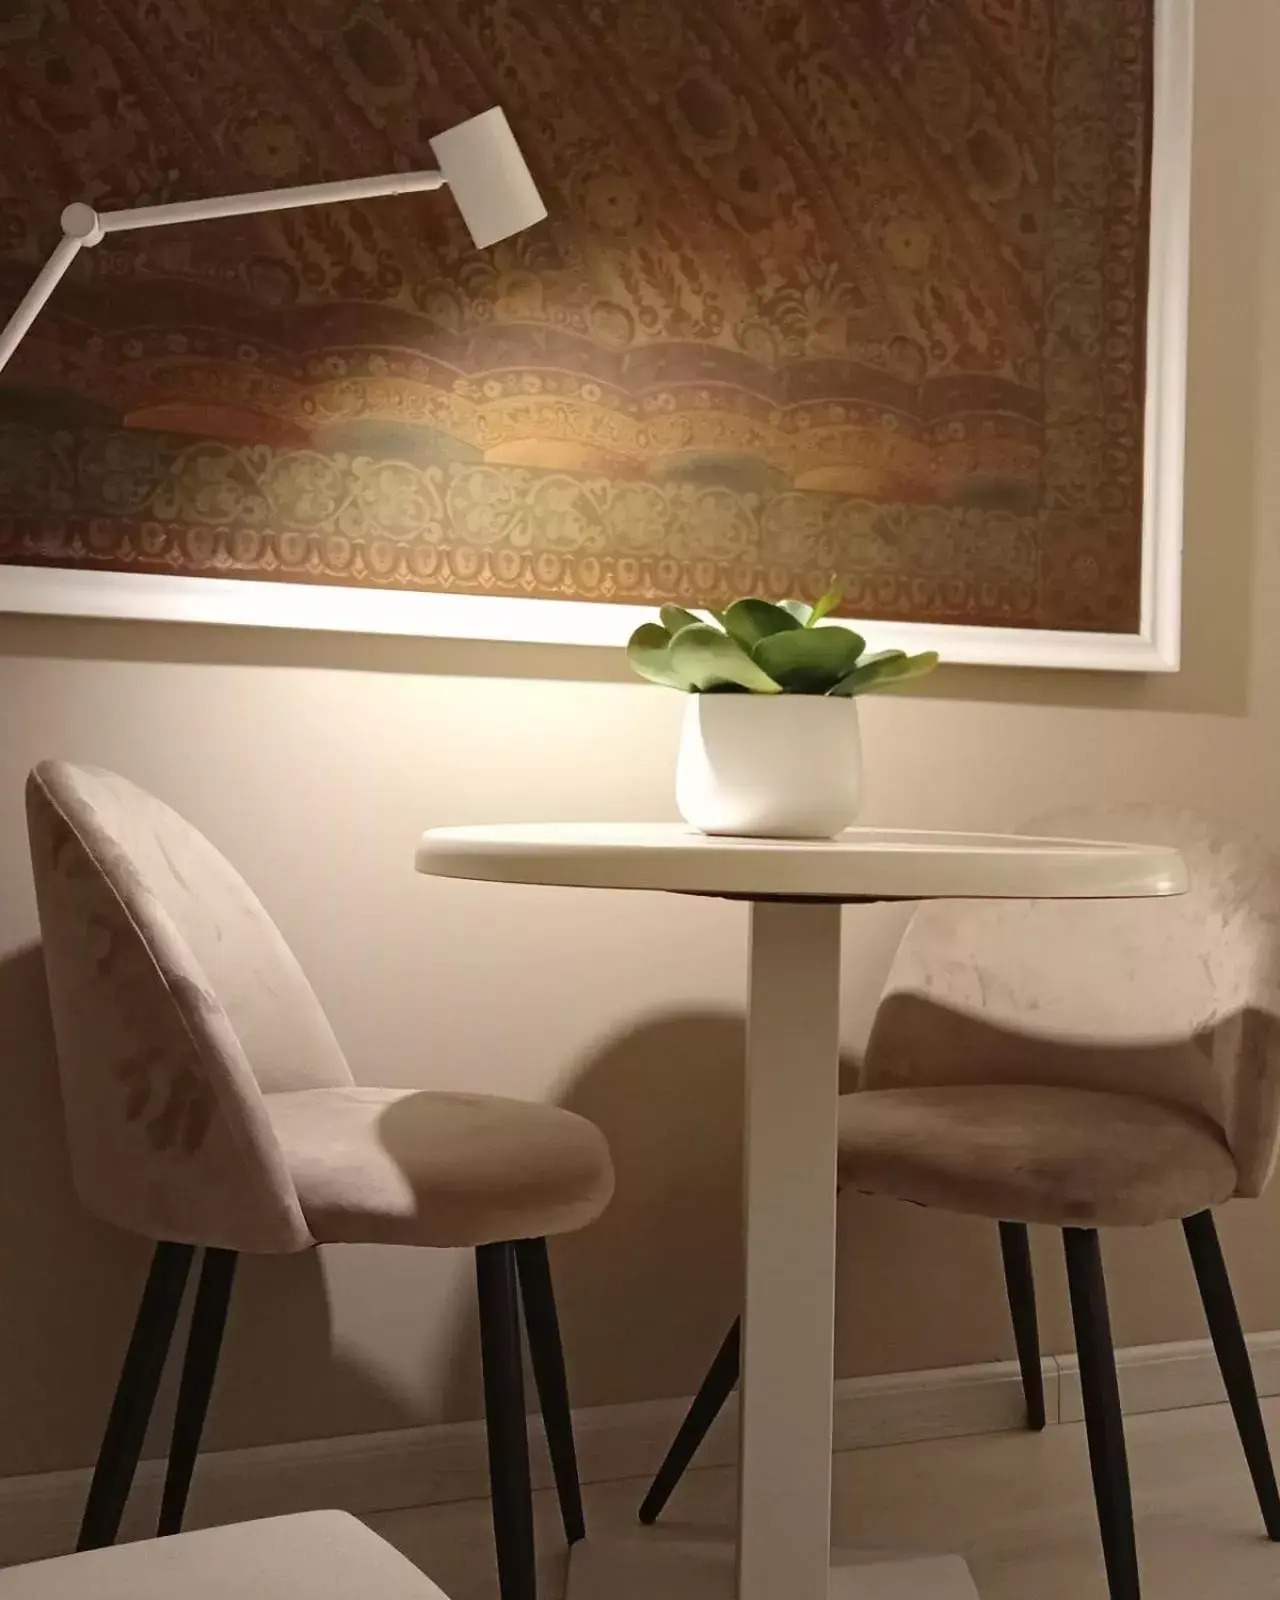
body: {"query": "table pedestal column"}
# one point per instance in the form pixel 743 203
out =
pixel 788 1346
pixel 793 1038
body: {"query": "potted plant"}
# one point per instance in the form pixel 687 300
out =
pixel 771 746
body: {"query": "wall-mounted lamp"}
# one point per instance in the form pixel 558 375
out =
pixel 479 160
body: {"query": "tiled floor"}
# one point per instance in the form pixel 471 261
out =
pixel 1018 1506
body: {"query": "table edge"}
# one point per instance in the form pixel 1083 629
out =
pixel 1115 870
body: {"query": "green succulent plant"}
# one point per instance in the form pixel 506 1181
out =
pixel 756 647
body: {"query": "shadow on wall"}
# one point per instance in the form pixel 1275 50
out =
pixel 69 1281
pixel 71 1287
pixel 662 1269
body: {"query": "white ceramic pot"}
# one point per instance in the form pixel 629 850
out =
pixel 785 766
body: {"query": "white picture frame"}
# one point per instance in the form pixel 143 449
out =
pixel 1156 647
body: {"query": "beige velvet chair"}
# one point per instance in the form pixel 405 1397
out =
pixel 1081 1065
pixel 209 1105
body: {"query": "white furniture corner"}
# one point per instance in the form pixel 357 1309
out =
pixel 322 1555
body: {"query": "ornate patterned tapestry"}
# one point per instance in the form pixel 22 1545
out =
pixel 831 288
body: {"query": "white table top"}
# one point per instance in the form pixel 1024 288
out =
pixel 863 864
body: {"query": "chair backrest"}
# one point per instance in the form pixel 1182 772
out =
pixel 176 1003
pixel 1177 1000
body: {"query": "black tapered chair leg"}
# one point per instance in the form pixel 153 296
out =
pixel 1233 1360
pixel 135 1395
pixel 199 1370
pixel 709 1402
pixel 546 1352
pixel 1104 1421
pixel 509 1479
pixel 1019 1279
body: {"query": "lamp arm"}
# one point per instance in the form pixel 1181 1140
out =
pixel 29 307
pixel 82 226
pixel 243 205
pixel 479 160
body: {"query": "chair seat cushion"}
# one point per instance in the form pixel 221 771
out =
pixel 406 1166
pixel 323 1555
pixel 1067 1157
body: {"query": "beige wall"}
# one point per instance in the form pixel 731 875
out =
pixel 315 761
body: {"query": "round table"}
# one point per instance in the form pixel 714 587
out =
pixel 796 890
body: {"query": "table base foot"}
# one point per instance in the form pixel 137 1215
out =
pixel 658 1568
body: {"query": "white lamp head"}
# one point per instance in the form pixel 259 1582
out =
pixel 490 179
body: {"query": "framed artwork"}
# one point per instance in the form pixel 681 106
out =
pixel 890 294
